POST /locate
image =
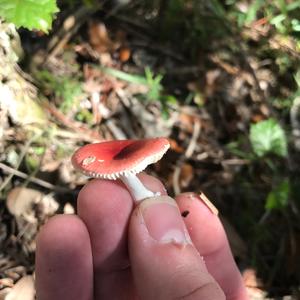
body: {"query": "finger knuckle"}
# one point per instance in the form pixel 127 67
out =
pixel 193 284
pixel 208 291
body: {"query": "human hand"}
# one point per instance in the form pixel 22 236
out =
pixel 113 250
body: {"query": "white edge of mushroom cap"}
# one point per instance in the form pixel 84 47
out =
pixel 139 167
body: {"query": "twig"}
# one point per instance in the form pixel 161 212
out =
pixel 235 162
pixel 183 71
pixel 295 121
pixel 32 174
pixel 61 43
pixel 115 130
pixel 22 155
pixel 275 41
pixel 176 176
pixel 157 48
pixel 35 180
pixel 87 133
pixel 116 8
pixel 69 27
pixel 193 142
pixel 188 154
pixel 134 22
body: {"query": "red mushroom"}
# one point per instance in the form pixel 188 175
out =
pixel 121 159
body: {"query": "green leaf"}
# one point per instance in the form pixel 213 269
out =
pixel 278 20
pixel 293 6
pixel 278 197
pixel 268 137
pixel 252 11
pixel 137 79
pixel 31 14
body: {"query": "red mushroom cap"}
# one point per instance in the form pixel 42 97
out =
pixel 113 159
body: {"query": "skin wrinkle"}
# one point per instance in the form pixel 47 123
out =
pixel 219 253
pixel 197 291
pixel 216 251
pixel 117 270
pixel 184 271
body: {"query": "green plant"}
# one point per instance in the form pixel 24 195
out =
pixel 66 89
pixel 283 15
pixel 154 84
pixel 278 196
pixel 267 137
pixel 151 81
pixel 31 14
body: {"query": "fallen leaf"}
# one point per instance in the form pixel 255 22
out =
pixel 20 200
pixel 6 282
pixel 15 273
pixel 22 290
pixel 186 122
pixel 99 38
pixel 175 147
pixel 124 54
pixel 253 285
pixel 23 110
pixel 186 175
pixel 4 292
pixel 69 209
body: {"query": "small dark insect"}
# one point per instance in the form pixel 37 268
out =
pixel 185 213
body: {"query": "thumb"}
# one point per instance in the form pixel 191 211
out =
pixel 165 264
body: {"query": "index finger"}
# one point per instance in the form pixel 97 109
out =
pixel 209 237
pixel 105 207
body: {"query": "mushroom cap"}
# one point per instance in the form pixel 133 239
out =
pixel 112 159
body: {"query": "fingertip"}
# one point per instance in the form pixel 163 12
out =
pixel 105 206
pixel 104 187
pixel 209 237
pixel 165 264
pixel 64 254
pixel 60 231
pixel 98 187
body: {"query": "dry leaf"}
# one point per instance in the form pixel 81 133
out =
pixel 187 122
pixel 99 38
pixel 186 175
pixel 4 292
pixel 20 201
pixel 69 209
pixel 22 110
pixel 124 54
pixel 253 285
pixel 29 208
pixel 22 290
pixel 6 282
pixel 175 146
pixel 15 273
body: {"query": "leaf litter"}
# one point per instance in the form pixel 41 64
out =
pixel 129 86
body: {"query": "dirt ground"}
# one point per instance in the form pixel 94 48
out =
pixel 108 75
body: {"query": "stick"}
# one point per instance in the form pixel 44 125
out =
pixel 35 180
pixel 22 155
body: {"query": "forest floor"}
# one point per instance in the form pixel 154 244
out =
pixel 124 74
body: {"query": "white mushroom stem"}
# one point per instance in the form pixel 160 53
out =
pixel 136 188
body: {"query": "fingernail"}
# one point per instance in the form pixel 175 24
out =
pixel 208 203
pixel 163 220
pixel 202 197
